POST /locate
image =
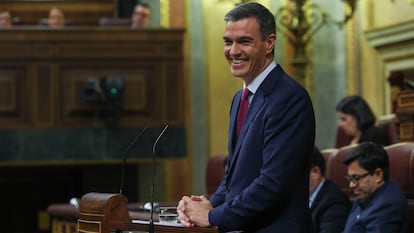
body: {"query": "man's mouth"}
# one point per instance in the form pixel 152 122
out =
pixel 237 61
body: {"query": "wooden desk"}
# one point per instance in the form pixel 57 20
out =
pixel 103 212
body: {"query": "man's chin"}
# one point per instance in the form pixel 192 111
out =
pixel 360 195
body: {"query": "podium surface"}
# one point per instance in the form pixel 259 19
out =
pixel 105 213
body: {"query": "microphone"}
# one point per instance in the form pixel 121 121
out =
pixel 125 156
pixel 151 223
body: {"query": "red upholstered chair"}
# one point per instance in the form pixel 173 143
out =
pixel 390 128
pixel 341 138
pixel 328 154
pixel 64 217
pixel 338 170
pixel 215 172
pixel 401 157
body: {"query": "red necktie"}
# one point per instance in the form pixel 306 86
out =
pixel 244 105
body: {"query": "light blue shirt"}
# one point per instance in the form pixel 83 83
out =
pixel 254 85
pixel 315 193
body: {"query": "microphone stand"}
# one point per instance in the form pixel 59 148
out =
pixel 151 222
pixel 125 156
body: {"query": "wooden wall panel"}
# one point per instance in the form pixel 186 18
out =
pixel 44 96
pixel 14 94
pixel 8 93
pixel 61 62
pixel 111 50
pixel 79 12
pixel 14 50
pixel 137 82
pixel 173 114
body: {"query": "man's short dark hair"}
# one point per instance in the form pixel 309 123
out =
pixel 318 160
pixel 370 156
pixel 143 4
pixel 264 17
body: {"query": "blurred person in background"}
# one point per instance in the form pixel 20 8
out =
pixel 56 18
pixel 5 18
pixel 329 205
pixel 357 120
pixel 141 17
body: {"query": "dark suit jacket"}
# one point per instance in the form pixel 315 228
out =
pixel 386 211
pixel 266 186
pixel 330 209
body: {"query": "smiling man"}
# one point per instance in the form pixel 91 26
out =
pixel 271 138
pixel 380 205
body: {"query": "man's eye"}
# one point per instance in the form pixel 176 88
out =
pixel 245 42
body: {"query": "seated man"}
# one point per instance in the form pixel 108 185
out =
pixel 56 18
pixel 141 16
pixel 328 204
pixel 5 18
pixel 380 205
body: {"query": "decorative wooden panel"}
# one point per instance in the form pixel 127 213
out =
pixel 45 99
pixel 405 115
pixel 78 12
pixel 136 93
pixel 58 63
pixel 14 94
pixel 405 103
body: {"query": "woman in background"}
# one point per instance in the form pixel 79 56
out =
pixel 357 120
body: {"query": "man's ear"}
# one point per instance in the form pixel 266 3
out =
pixel 270 43
pixel 315 170
pixel 379 174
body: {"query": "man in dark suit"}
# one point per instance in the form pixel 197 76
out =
pixel 328 204
pixel 265 188
pixel 380 205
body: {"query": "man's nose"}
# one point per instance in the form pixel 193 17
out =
pixel 234 49
pixel 352 185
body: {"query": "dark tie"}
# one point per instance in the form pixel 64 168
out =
pixel 244 105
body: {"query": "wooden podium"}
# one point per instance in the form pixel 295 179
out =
pixel 105 213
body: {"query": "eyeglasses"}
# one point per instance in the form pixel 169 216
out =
pixel 355 178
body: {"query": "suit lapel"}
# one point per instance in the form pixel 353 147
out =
pixel 254 108
pixel 233 120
